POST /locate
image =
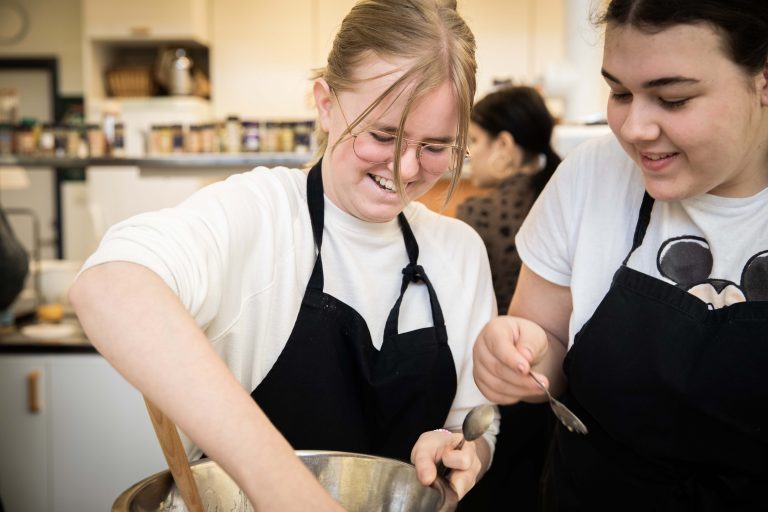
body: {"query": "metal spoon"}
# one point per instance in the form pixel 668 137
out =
pixel 564 414
pixel 476 422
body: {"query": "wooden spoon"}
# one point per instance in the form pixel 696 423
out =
pixel 176 457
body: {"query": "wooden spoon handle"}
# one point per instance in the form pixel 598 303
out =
pixel 176 457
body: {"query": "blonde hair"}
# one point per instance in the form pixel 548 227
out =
pixel 431 34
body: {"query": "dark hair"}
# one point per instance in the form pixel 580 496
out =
pixel 521 111
pixel 742 23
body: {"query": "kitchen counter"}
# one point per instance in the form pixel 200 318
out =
pixel 14 341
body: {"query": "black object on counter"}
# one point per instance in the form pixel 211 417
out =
pixel 14 264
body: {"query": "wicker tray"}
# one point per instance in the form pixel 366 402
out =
pixel 130 81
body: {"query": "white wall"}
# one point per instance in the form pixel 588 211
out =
pixel 263 51
pixel 55 29
pixel 516 39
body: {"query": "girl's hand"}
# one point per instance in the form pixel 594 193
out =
pixel 439 446
pixel 504 353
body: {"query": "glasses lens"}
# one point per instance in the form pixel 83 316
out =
pixel 437 159
pixel 379 147
pixel 374 147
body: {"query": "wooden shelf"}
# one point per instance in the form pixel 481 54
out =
pixel 170 162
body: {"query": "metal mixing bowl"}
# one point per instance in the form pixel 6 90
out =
pixel 361 483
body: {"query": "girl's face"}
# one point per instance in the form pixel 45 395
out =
pixel 692 120
pixel 365 190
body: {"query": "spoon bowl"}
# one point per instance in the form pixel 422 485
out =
pixel 564 414
pixel 476 422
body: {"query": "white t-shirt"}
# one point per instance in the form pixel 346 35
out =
pixel 239 254
pixel 581 227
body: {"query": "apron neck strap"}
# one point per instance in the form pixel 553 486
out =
pixel 413 272
pixel 315 202
pixel 643 219
pixel 316 205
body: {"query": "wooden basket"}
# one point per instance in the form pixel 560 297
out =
pixel 130 81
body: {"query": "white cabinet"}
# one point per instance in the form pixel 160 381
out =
pixel 147 19
pixel 90 440
pixel 23 442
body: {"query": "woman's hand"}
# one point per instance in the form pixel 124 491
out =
pixel 466 465
pixel 504 353
pixel 533 337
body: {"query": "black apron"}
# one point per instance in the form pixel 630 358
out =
pixel 675 396
pixel 330 389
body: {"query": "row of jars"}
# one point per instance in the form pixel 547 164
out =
pixel 232 136
pixel 71 141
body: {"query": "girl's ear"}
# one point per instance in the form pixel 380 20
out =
pixel 323 102
pixel 503 158
pixel 762 85
pixel 506 143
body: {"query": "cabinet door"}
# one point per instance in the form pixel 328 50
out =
pixel 102 440
pixel 23 441
pixel 147 19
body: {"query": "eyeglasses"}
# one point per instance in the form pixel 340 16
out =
pixel 378 147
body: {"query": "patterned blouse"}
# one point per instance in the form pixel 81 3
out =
pixel 497 217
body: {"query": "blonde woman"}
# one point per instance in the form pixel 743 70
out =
pixel 282 309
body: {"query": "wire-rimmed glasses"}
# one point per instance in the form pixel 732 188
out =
pixel 378 147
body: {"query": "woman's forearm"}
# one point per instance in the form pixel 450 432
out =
pixel 140 326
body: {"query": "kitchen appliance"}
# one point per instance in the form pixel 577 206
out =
pixel 174 72
pixel 361 483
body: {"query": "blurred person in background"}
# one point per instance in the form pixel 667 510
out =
pixel 510 149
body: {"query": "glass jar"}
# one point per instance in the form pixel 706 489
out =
pixel 271 139
pixel 192 139
pixel 165 140
pixel 251 137
pixel 207 138
pixel 233 134
pixel 286 137
pixel 24 140
pixel 302 137
pixel 97 141
pixel 60 141
pixel 47 144
pixel 73 141
pixel 6 139
pixel 117 148
pixel 177 138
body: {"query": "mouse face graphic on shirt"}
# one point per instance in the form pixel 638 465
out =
pixel 687 261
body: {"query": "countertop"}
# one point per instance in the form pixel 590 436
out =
pixel 14 341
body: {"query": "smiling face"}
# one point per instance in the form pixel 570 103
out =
pixel 360 188
pixel 692 120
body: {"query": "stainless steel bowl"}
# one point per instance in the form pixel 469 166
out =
pixel 361 483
